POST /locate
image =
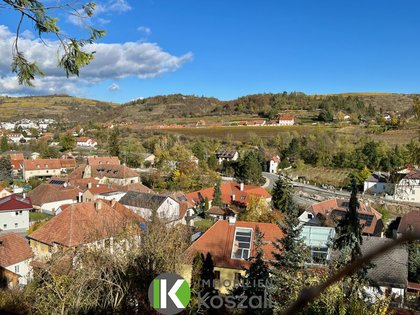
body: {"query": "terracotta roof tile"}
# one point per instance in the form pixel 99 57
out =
pixel 410 220
pixel 15 202
pixel 45 193
pixel 13 249
pixel 218 240
pixel 83 223
pixel 106 160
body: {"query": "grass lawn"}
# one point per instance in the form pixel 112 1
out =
pixel 38 216
pixel 203 225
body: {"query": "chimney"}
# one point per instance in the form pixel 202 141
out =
pixel 89 185
pixel 98 204
pixel 113 202
pixel 242 186
pixel 80 198
pixel 65 185
pixel 232 220
pixel 233 197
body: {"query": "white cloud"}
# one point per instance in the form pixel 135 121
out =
pixel 112 62
pixel 108 8
pixel 114 87
pixel 145 30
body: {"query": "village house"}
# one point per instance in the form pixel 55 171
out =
pixel 48 197
pixel 104 160
pixel 334 209
pixel 230 244
pixel 4 192
pixel 233 193
pixel 410 222
pixel 166 207
pixel 15 258
pixel 86 142
pixel 46 168
pixel 148 158
pixel 84 224
pixel 286 120
pixel 408 188
pixel 378 183
pixel 16 138
pixel 14 213
pixel 274 164
pixel 389 271
pixel 227 155
pixel 16 159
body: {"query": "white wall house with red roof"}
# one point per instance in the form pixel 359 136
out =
pixel 15 257
pixel 274 164
pixel 14 213
pixel 286 120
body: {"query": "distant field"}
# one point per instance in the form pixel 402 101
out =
pixel 394 137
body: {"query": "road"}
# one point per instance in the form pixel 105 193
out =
pixel 306 194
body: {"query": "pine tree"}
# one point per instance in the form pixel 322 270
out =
pixel 349 230
pixel 4 146
pixel 207 275
pixel 217 195
pixel 250 169
pixel 114 143
pixel 6 170
pixel 195 286
pixel 282 195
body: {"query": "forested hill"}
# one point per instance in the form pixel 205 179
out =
pixel 268 105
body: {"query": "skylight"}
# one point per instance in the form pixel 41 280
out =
pixel 241 247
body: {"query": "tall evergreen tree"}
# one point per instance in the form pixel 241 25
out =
pixel 282 195
pixel 4 145
pixel 195 286
pixel 349 230
pixel 6 170
pixel 250 169
pixel 217 195
pixel 114 142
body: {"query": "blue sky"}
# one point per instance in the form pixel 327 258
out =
pixel 231 48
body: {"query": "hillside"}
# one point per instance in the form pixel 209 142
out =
pixel 178 108
pixel 61 107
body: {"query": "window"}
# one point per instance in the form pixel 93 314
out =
pixel 242 243
pixel 17 269
pixel 238 277
pixel 310 216
pixel 16 225
pixel 217 275
pixel 5 226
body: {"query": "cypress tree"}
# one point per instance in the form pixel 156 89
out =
pixel 282 195
pixel 217 195
pixel 4 146
pixel 6 170
pixel 114 143
pixel 349 230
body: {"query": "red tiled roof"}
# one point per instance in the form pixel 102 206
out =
pixel 13 249
pixel 46 164
pixel 16 164
pixel 410 220
pixel 15 202
pixel 286 117
pixel 229 190
pixel 45 193
pixel 83 223
pixel 330 206
pixel 218 240
pixel 105 160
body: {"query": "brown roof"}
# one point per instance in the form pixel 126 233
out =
pixel 105 160
pixel 218 240
pixel 338 206
pixel 13 249
pixel 229 190
pixel 216 211
pixel 86 222
pixel 17 156
pixel 410 220
pixel 113 171
pixel 413 175
pixel 45 193
pixel 136 187
pixel 286 117
pixel 47 164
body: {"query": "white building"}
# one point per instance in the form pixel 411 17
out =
pixel 286 120
pixel 378 183
pixel 15 256
pixel 227 155
pixel 86 142
pixel 15 137
pixel 408 189
pixel 143 204
pixel 274 164
pixel 14 213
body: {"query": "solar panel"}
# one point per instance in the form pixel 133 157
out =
pixel 56 182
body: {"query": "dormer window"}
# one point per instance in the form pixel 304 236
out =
pixel 241 248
